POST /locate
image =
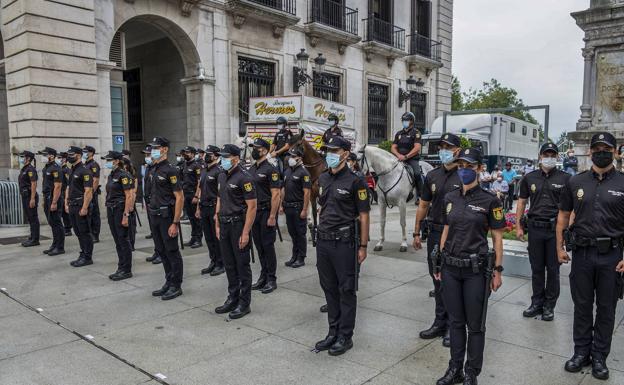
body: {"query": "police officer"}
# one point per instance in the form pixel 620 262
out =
pixel 352 163
pixel 88 152
pixel 268 184
pixel 406 147
pixel 147 189
pixel 236 211
pixel 133 220
pixel 469 214
pixel 281 143
pixel 30 199
pixel 542 188
pixel 440 181
pixel 597 198
pixel 207 207
pixel 53 205
pixel 343 198
pixel 333 129
pixel 165 209
pixel 201 157
pixel 77 202
pixel 61 160
pixel 190 187
pixel 295 202
pixel 119 203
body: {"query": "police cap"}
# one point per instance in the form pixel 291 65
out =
pixel 159 141
pixel 470 155
pixel 295 152
pixel 27 154
pixel 603 137
pixel 212 149
pixel 47 151
pixel 549 147
pixel 113 155
pixel 74 150
pixel 229 150
pixel 89 149
pixel 336 142
pixel 259 142
pixel 451 139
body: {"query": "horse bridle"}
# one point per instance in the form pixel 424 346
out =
pixel 385 193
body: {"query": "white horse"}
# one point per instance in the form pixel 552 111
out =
pixel 394 186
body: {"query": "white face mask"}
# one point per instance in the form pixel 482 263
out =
pixel 549 163
pixel 292 162
pixel 179 159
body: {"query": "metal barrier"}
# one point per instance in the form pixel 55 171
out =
pixel 11 212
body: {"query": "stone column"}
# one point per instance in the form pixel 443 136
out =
pixel 104 106
pixel 584 122
pixel 200 110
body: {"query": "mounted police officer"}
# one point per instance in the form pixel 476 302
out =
pixel 469 270
pixel 281 143
pixel 61 160
pixel 165 209
pixel 27 182
pixel 268 184
pixel 595 238
pixel 236 211
pixel 88 153
pixel 438 183
pixel 207 208
pixel 295 201
pixel 542 189
pixel 190 187
pixel 147 192
pixel 406 147
pixel 333 129
pixel 342 241
pixel 77 202
pixel 53 204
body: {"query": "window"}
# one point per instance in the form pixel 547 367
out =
pixel 255 78
pixel 418 107
pixel 377 113
pixel 534 133
pixel 117 116
pixel 512 127
pixel 326 86
pixel 135 119
pixel 524 130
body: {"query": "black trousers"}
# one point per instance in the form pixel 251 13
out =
pixel 190 208
pixel 121 236
pixel 297 228
pixel 544 266
pixel 32 216
pixel 210 233
pixel 66 221
pixel 463 292
pixel 82 231
pixel 132 227
pixel 335 262
pixel 54 220
pixel 414 164
pixel 441 317
pixel 94 215
pixel 264 239
pixel 236 262
pixel 167 249
pixel 593 275
pixel 509 199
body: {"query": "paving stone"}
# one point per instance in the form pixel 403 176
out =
pixel 369 286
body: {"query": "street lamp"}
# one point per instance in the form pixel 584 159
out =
pixel 300 76
pixel 319 63
pixel 412 85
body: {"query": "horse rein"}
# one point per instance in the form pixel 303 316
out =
pixel 364 160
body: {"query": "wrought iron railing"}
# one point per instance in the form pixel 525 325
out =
pixel 424 46
pixel 376 29
pixel 288 6
pixel 333 14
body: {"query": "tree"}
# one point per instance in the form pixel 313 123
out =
pixel 457 100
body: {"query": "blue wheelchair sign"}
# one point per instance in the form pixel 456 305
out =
pixel 118 139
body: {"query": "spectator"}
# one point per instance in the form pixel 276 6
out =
pixel 528 167
pixel 509 175
pixel 619 154
pixel 500 188
pixel 570 163
pixel 485 178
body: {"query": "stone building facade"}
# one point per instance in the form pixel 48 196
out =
pixel 115 73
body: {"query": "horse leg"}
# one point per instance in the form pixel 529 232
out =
pixel 382 224
pixel 402 211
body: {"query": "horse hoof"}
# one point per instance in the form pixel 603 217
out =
pixel 403 249
pixel 378 248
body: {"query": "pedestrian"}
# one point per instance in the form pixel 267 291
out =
pixel 88 159
pixel 190 187
pixel 51 188
pixel 470 214
pixel 542 189
pixel 438 182
pixel 342 242
pixel 147 191
pixel 570 162
pixel 165 209
pixel 500 188
pixel 207 208
pixel 528 167
pixel 485 178
pixel 509 175
pixel 77 202
pixel 595 239
pixel 268 184
pixel 61 160
pixel 27 182
pixel 119 203
pixel 236 211
pixel 295 201
pixel 281 143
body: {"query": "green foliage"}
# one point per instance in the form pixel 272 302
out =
pixel 465 142
pixel 386 145
pixel 457 100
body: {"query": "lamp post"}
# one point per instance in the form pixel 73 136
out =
pixel 412 85
pixel 300 75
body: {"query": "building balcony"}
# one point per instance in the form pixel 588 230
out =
pixel 278 13
pixel 331 21
pixel 383 38
pixel 424 53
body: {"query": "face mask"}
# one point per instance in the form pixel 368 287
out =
pixel 196 156
pixel 179 159
pixel 226 163
pixel 156 153
pixel 72 158
pixel 108 165
pixel 255 154
pixel 58 161
pixel 280 126
pixel 21 160
pixel 84 157
pixel 148 160
pixel 446 156
pixel 292 162
pixel 333 160
pixel 602 158
pixel 406 123
pixel 467 175
pixel 549 163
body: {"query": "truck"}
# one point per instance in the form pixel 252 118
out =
pixel 501 138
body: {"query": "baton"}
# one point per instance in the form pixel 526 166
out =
pixel 489 270
pixel 180 235
pixel 251 247
pixel 279 232
pixel 136 215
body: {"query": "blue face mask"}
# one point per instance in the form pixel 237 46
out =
pixel 406 123
pixel 84 157
pixel 156 153
pixel 109 165
pixel 148 160
pixel 58 161
pixel 446 156
pixel 21 160
pixel 467 175
pixel 226 163
pixel 333 160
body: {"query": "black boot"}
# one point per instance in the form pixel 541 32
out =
pixel 157 260
pixel 240 312
pixel 217 271
pixel 577 363
pixel 269 287
pixel 291 261
pixel 433 332
pixel 172 292
pixel 56 251
pixel 161 291
pixel 532 311
pixel 470 378
pixel 260 283
pixel 326 343
pixel 298 263
pixel 209 269
pixel 446 341
pixel 30 243
pixel 120 275
pixel 80 262
pixel 548 314
pixel 227 307
pixel 599 369
pixel 453 375
pixel 341 346
pixel 151 259
pixel 196 244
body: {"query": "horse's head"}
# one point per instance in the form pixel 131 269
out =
pixel 360 151
pixel 243 143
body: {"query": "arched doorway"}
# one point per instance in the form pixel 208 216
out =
pixel 5 150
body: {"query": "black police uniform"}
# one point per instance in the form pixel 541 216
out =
pixel 66 170
pixel 342 196
pixel 598 205
pixel 27 175
pixel 164 182
pixel 438 182
pixel 265 177
pixel 79 179
pixel 543 189
pixel 94 207
pixel 235 187
pixel 52 174
pixel 295 181
pixel 132 220
pixel 405 141
pixel 332 131
pixel 147 192
pixel 118 182
pixel 190 175
pixel 280 139
pixel 208 182
pixel 470 217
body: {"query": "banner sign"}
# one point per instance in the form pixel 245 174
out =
pixel 270 108
pixel 317 110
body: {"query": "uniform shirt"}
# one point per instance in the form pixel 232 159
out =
pixel 342 197
pixel 598 205
pixel 265 177
pixel 469 218
pixel 336 131
pixel 295 180
pixel 543 191
pixel 164 182
pixel 27 174
pixel 439 182
pixel 80 178
pixel 94 167
pixel 118 182
pixel 66 174
pixel 209 183
pixel 281 138
pixel 235 187
pixel 406 139
pixel 51 174
pixel 190 176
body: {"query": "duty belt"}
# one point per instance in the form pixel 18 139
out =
pixel 292 204
pixel 75 201
pixel 581 241
pixel 262 206
pixel 343 234
pixel 112 205
pixel 435 227
pixel 476 261
pixel 210 203
pixel 163 211
pixel 230 218
pixel 543 223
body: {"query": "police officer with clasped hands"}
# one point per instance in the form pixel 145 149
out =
pixel 53 205
pixel 77 202
pixel 27 182
pixel 295 201
pixel 88 153
pixel 190 187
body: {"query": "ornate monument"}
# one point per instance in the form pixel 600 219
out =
pixel 603 83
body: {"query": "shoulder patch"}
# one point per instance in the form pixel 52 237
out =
pixel 275 176
pixel 94 169
pixel 248 187
pixel 433 188
pixel 497 212
pixel 198 171
pixel 533 187
pixel 173 179
pixel 306 178
pixel 124 180
pixel 86 177
pixel 449 207
pixel 580 193
pixel 362 194
pixel 30 173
